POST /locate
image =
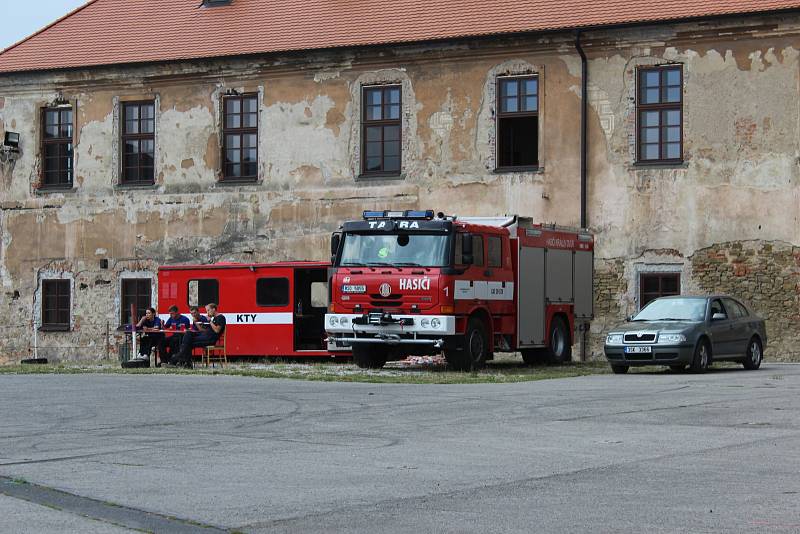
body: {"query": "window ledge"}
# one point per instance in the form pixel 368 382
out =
pixel 508 170
pixel 232 182
pixel 380 176
pixel 143 186
pixel 659 165
pixel 50 189
pixel 54 328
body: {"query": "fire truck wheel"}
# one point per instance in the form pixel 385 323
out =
pixel 472 355
pixel 368 357
pixel 559 350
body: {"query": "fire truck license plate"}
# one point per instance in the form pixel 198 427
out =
pixel 638 350
pixel 354 289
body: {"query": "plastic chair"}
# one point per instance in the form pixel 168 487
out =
pixel 211 353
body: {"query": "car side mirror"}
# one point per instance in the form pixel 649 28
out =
pixel 336 239
pixel 719 317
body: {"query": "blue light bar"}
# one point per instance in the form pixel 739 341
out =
pixel 389 214
pixel 419 214
pixel 372 214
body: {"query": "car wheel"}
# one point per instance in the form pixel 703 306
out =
pixel 754 355
pixel 619 369
pixel 702 355
pixel 472 355
pixel 368 357
pixel 559 350
pixel 677 368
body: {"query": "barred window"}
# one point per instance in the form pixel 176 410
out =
pixel 135 291
pixel 57 147
pixel 56 300
pixel 138 140
pixel 654 285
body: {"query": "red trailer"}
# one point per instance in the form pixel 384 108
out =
pixel 271 309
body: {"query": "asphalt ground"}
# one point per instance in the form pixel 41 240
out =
pixel 643 452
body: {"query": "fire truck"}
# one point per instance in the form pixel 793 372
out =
pixel 413 283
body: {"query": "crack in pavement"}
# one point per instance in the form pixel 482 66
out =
pixel 115 514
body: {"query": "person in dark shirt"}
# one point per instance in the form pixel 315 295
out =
pixel 177 322
pixel 150 324
pixel 208 334
pixel 197 319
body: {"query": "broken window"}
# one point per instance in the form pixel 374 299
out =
pixel 381 130
pixel 654 285
pixel 55 304
pixel 138 142
pixel 240 138
pixel 136 292
pixel 57 168
pixel 660 114
pixel 517 122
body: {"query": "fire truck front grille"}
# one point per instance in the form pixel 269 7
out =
pixel 393 296
pixel 386 303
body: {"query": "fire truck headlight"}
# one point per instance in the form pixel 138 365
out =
pixel 425 323
pixel 435 323
pixel 343 321
pixel 333 320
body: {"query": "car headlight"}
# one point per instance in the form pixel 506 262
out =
pixel 333 320
pixel 614 339
pixel 343 321
pixel 671 338
pixel 425 323
pixel 435 323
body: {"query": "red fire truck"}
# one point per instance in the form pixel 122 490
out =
pixel 271 309
pixel 410 282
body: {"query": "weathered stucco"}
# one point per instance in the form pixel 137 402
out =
pixel 737 186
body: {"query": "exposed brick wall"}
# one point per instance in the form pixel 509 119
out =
pixel 610 285
pixel 764 275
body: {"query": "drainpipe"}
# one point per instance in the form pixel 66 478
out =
pixel 583 327
pixel 584 112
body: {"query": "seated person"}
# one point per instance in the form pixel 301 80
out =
pixel 151 324
pixel 177 322
pixel 207 334
pixel 197 319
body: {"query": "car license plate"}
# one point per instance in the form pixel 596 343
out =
pixel 638 350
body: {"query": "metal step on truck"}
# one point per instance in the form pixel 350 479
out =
pixel 408 283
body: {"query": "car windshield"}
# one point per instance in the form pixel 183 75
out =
pixel 398 250
pixel 673 309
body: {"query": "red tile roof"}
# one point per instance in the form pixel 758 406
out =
pixel 131 31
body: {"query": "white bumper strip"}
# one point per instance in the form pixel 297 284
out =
pixel 447 326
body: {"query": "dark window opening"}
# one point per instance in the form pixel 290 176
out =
pixel 518 122
pixel 138 142
pixel 240 138
pixel 57 148
pixel 137 292
pixel 495 251
pixel 660 115
pixel 381 147
pixel 272 292
pixel 654 285
pixel 202 292
pixel 477 250
pixel 56 300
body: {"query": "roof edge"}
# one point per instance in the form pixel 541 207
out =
pixel 37 32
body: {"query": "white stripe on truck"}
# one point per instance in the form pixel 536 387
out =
pixel 483 290
pixel 249 317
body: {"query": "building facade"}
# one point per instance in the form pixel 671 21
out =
pixel 692 165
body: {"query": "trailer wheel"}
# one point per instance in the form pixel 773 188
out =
pixel 367 356
pixel 559 349
pixel 472 353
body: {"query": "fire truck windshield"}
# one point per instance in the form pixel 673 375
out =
pixel 396 250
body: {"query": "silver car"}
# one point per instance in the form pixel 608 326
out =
pixel 688 331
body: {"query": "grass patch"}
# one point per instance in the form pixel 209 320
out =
pixel 505 369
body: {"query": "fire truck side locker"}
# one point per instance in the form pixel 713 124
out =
pixel 530 296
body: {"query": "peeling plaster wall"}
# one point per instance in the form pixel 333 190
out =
pixel 738 182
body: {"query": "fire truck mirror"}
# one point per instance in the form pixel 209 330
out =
pixel 335 240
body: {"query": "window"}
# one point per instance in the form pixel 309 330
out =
pixel 135 291
pixel 57 147
pixel 660 114
pixel 735 309
pixel 381 125
pixel 201 292
pixel 55 304
pixel 240 138
pixel 716 307
pixel 495 250
pixel 319 294
pixel 138 142
pixel 477 250
pixel 654 285
pixel 518 122
pixel 272 291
